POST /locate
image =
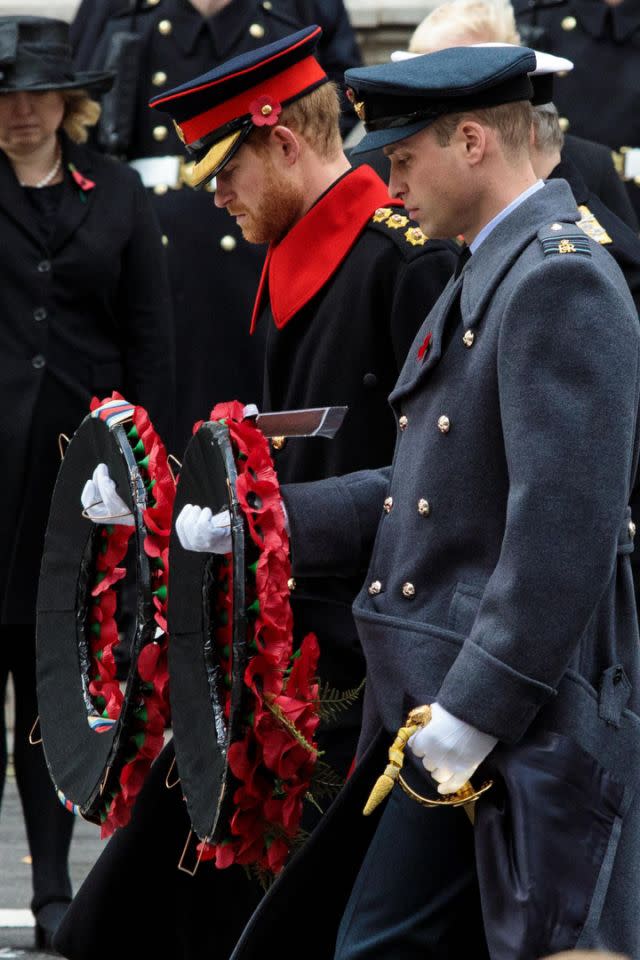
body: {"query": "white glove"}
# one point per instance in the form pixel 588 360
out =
pixel 199 530
pixel 450 749
pixel 101 500
pixel 250 411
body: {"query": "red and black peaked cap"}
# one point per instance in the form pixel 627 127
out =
pixel 215 112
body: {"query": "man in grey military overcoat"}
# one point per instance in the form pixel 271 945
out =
pixel 499 586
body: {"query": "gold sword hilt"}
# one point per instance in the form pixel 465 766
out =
pixel 465 797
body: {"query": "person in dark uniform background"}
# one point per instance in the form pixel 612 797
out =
pixel 600 98
pixel 347 280
pixel 84 310
pixel 155 45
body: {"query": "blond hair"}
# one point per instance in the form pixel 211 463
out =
pixel 463 22
pixel 511 121
pixel 315 117
pixel 80 113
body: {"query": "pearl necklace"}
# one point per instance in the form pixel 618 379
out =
pixel 49 176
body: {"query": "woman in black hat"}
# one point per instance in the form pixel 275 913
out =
pixel 83 311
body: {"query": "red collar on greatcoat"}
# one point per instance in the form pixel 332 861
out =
pixel 308 256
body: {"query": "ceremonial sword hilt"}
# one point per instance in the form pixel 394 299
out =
pixel 465 797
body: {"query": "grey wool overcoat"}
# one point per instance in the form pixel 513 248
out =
pixel 499 579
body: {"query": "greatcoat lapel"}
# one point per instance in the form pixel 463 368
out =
pixel 483 273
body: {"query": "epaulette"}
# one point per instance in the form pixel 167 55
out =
pixel 393 221
pixel 592 227
pixel 561 238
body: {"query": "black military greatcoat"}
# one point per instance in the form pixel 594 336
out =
pixel 600 97
pixel 214 272
pixel 85 310
pixel 342 297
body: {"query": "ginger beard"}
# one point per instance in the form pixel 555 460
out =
pixel 278 208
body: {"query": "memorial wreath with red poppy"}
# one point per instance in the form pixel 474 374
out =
pixel 273 762
pixel 152 711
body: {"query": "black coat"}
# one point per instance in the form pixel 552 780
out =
pixel 84 312
pixel 213 270
pixel 345 345
pixel 600 97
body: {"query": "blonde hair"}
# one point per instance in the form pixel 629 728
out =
pixel 463 22
pixel 80 113
pixel 315 117
pixel 511 121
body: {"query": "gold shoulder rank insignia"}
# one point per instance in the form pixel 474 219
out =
pixel 589 225
pixel 565 246
pixel 382 214
pixel 396 220
pixel 416 237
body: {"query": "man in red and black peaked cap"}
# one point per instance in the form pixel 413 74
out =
pixel 347 281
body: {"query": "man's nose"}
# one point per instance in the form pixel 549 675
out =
pixel 221 195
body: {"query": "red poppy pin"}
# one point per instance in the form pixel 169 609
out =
pixel 83 182
pixel 424 349
pixel 265 111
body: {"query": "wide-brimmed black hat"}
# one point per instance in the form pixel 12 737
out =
pixel 35 54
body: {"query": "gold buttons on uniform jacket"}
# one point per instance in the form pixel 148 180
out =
pixel 160 134
pixel 160 189
pixel 564 124
pixel 568 23
pixel 165 240
pixel 388 504
pixel 228 243
pixel 402 422
pixel 257 31
pixel 469 338
pixel 291 583
pixel 444 424
pixel 159 78
pixel 632 529
pixel 408 590
pixel 278 442
pixel 267 5
pixel 375 588
pixel 165 27
pixel 424 507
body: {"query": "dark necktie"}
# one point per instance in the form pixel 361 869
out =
pixel 464 255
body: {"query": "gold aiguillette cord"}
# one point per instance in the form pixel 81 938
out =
pixel 465 797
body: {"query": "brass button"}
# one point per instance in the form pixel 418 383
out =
pixel 636 180
pixel 424 507
pixel 159 78
pixel 562 73
pixel 153 3
pixel 469 338
pixel 278 442
pixel 556 226
pixel 564 124
pixel 257 31
pixel 444 424
pixel 160 189
pixel 291 583
pixel 408 590
pixel 568 23
pixel 402 422
pixel 160 133
pixel 165 240
pixel 388 504
pixel 165 27
pixel 632 529
pixel 267 5
pixel 375 588
pixel 228 243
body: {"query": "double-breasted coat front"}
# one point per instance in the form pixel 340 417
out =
pixel 84 310
pixel 499 581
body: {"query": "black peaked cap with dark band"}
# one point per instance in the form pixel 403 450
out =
pixel 214 113
pixel 397 99
pixel 35 56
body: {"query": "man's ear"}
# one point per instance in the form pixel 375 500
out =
pixel 287 145
pixel 472 137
